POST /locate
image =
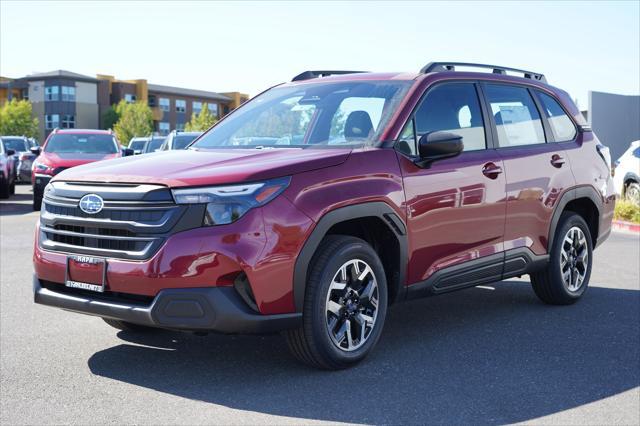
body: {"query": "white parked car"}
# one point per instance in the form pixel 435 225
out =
pixel 627 173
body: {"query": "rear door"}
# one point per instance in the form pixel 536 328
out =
pixel 536 168
pixel 455 207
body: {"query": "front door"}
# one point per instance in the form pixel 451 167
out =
pixel 455 207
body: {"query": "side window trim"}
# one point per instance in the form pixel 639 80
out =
pixel 548 134
pixel 488 130
pixel 494 128
pixel 538 101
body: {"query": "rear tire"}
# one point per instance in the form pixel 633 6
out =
pixel 345 305
pixel 37 200
pixel 126 326
pixel 632 193
pixel 4 189
pixel 566 277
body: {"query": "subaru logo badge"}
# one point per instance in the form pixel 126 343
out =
pixel 91 204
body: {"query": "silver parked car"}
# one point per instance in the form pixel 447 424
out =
pixel 22 157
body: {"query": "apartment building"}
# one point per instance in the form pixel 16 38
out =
pixel 66 99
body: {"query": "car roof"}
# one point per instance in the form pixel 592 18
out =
pixel 85 131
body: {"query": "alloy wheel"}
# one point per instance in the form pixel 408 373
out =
pixel 574 259
pixel 351 308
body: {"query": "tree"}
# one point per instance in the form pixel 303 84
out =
pixel 15 119
pixel 136 119
pixel 201 121
pixel 109 118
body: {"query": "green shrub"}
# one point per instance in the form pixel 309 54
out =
pixel 627 211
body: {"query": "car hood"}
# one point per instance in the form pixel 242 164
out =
pixel 71 159
pixel 207 167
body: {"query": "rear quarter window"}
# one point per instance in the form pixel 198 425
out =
pixel 561 125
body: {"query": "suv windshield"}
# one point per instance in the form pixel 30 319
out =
pixel 314 114
pixel 16 144
pixel 181 142
pixel 154 144
pixel 82 143
pixel 137 144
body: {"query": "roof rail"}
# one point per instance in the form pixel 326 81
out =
pixel 308 75
pixel 496 69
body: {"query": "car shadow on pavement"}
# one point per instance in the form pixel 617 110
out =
pixel 477 356
pixel 16 204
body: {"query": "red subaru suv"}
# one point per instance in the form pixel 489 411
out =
pixel 65 148
pixel 321 202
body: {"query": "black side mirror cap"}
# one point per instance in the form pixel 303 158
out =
pixel 10 152
pixel 435 146
pixel 35 150
pixel 126 152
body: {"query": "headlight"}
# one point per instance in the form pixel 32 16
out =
pixel 226 204
pixel 41 168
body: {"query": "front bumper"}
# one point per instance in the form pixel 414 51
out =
pixel 218 309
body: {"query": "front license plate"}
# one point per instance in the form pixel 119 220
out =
pixel 86 272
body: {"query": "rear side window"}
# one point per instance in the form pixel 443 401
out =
pixel 561 125
pixel 515 114
pixel 451 107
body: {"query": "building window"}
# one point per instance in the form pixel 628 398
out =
pixel 152 101
pixel 52 93
pixel 181 105
pixel 197 107
pixel 68 121
pixel 25 94
pixel 213 109
pixel 164 104
pixel 129 98
pixel 52 121
pixel 68 93
pixel 180 127
pixel 163 128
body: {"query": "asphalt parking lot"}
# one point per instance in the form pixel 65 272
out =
pixel 478 356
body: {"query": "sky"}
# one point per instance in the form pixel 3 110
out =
pixel 249 46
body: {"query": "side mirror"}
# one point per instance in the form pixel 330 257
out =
pixel 35 150
pixel 126 152
pixel 435 146
pixel 10 152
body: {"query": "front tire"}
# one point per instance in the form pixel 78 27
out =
pixel 37 199
pixel 632 193
pixel 5 190
pixel 566 277
pixel 345 305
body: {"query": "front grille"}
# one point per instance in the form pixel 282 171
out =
pixel 134 222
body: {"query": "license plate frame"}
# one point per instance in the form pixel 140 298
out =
pixel 98 288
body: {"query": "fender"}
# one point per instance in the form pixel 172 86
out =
pixel 373 209
pixel 630 176
pixel 586 191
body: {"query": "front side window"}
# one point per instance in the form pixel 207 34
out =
pixel 68 121
pixel 515 114
pixel 561 125
pixel 52 93
pixel 181 105
pixel 129 98
pixel 311 114
pixel 68 93
pixel 164 104
pixel 453 108
pixel 163 128
pixel 52 121
pixel 79 143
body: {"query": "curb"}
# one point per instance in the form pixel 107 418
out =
pixel 621 225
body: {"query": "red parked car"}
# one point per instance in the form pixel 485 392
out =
pixel 322 201
pixel 65 148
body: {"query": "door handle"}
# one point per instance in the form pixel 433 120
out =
pixel 491 170
pixel 557 160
